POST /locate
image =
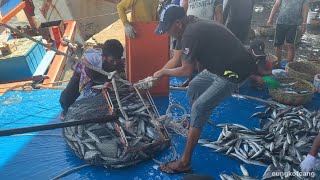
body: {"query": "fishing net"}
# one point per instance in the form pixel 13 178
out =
pixel 136 136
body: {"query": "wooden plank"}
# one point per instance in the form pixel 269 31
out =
pixel 59 61
pixel 45 63
pixel 13 12
pixel 12 86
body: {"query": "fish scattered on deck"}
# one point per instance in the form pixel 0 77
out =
pixel 287 133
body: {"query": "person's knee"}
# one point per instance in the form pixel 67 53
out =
pixel 197 115
pixel 290 46
pixel 193 91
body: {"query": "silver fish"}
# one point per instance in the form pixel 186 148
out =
pixel 93 136
pixel 244 170
pixel 90 155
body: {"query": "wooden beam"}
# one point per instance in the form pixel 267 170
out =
pixel 45 63
pixel 59 61
pixel 13 12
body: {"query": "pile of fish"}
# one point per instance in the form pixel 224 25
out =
pixel 234 176
pixel 286 135
pixel 134 137
pixel 288 89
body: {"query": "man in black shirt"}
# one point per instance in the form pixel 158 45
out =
pixel 226 61
pixel 237 17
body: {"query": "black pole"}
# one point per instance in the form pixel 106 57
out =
pixel 9 132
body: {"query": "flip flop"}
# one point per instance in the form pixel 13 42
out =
pixel 175 171
pixel 197 176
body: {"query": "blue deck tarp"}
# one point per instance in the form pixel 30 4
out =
pixel 7 5
pixel 46 156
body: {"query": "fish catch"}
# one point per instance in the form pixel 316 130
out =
pixel 234 176
pixel 289 88
pixel 136 136
pixel 287 134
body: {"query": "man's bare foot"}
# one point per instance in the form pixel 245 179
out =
pixel 175 167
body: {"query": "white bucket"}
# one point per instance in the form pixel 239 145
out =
pixel 316 83
pixel 311 15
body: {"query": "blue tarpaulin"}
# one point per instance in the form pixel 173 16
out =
pixel 46 155
pixel 7 5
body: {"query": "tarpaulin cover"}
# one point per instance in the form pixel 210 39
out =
pixel 45 156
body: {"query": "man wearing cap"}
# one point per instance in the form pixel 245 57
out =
pixel 202 9
pixel 257 49
pixel 209 44
pixel 141 11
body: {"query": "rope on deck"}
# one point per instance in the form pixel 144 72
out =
pixel 34 86
pixel 234 95
pixel 66 173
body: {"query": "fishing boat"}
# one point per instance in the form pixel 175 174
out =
pixel 45 154
pixel 91 15
pixel 29 60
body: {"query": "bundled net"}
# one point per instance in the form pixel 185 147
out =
pixel 137 135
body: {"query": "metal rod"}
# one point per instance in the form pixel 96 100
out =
pixel 9 132
pixel 58 52
pixel 239 95
pixel 34 40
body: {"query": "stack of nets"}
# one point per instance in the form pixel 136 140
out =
pixel 136 136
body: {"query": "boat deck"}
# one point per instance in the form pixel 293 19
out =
pixel 45 155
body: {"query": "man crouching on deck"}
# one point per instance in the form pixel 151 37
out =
pixel 107 58
pixel 227 65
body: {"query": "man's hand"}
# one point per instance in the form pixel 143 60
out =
pixel 269 23
pixel 129 30
pixel 158 74
pixel 308 163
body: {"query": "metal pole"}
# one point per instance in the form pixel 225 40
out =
pixel 57 51
pixel 9 132
pixel 34 40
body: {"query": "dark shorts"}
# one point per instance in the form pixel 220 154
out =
pixel 285 32
pixel 241 31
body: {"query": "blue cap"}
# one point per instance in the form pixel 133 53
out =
pixel 168 16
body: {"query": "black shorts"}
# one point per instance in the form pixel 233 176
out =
pixel 285 32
